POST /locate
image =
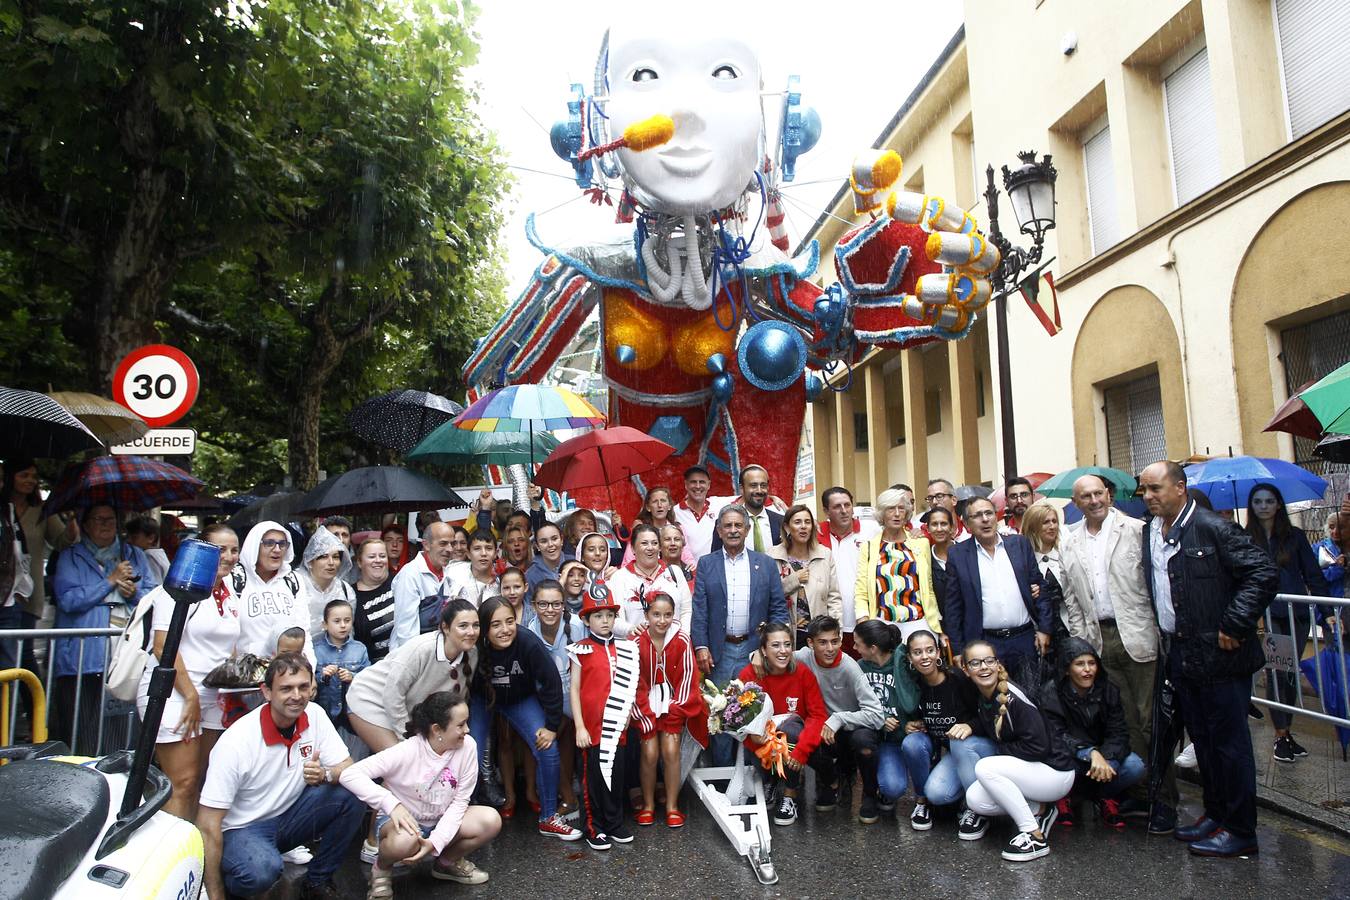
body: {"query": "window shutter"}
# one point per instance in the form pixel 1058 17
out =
pixel 1135 432
pixel 1191 128
pixel 1314 40
pixel 1101 190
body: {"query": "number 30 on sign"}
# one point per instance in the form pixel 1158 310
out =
pixel 157 382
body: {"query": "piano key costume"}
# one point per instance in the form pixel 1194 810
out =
pixel 608 682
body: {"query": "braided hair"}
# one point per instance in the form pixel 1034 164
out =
pixel 1001 692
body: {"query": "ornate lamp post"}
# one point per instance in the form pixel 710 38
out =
pixel 1031 189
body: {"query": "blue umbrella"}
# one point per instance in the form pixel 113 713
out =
pixel 1228 481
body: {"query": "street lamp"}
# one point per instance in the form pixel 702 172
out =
pixel 1031 189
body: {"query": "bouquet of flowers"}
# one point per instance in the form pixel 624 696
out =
pixel 739 709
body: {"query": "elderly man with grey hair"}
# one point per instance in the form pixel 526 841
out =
pixel 736 591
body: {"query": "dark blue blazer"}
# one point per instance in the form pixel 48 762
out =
pixel 710 598
pixel 964 610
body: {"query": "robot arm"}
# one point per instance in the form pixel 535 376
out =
pixel 528 338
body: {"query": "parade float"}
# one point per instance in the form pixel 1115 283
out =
pixel 713 332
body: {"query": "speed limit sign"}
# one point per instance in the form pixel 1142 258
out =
pixel 156 382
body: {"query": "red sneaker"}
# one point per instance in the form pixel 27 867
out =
pixel 557 827
pixel 1109 812
pixel 1065 817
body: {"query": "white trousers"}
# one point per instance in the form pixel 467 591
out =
pixel 1004 785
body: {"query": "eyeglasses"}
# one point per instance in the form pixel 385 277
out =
pixel 274 544
pixel 982 514
pixel 545 605
pixel 933 498
pixel 988 662
pixel 1020 495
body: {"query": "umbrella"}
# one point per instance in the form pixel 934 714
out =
pixel 1062 484
pixel 379 489
pixel 971 491
pixel 1325 673
pixel 1294 417
pixel 400 419
pixel 126 483
pixel 449 444
pixel 1000 498
pixel 1166 734
pixel 283 506
pixel 33 424
pixel 1329 400
pixel 111 422
pixel 600 458
pixel 1228 481
pixel 1334 448
pixel 529 407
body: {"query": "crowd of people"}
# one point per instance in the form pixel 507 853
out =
pixel 987 663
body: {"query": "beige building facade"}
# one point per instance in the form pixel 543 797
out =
pixel 1203 152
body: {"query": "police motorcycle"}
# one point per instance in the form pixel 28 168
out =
pixel 63 836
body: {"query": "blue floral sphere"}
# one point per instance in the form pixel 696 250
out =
pixel 772 355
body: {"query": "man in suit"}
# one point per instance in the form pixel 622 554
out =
pixel 995 593
pixel 1107 604
pixel 736 591
pixel 764 526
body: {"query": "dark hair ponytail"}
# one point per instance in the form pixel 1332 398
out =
pixel 434 710
pixel 883 635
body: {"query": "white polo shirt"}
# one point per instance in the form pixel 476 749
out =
pixel 698 530
pixel 255 774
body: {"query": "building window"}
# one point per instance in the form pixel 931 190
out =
pixel 1135 435
pixel 859 431
pixel 1308 352
pixel 1103 222
pixel 1192 133
pixel 1312 36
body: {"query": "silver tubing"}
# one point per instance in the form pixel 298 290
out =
pixel 75 714
pixel 1334 641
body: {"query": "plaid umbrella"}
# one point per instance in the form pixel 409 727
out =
pixel 400 419
pixel 33 424
pixel 126 483
pixel 112 422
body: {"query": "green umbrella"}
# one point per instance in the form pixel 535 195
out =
pixel 1062 484
pixel 1329 400
pixel 449 444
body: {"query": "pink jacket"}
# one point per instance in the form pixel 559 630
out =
pixel 434 787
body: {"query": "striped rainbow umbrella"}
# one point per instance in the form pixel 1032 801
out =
pixel 530 408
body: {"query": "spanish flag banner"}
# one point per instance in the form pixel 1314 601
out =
pixel 1039 292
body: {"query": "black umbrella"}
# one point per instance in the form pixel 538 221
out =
pixel 35 425
pixel 400 419
pixel 1334 448
pixel 380 489
pixel 1167 729
pixel 971 491
pixel 280 507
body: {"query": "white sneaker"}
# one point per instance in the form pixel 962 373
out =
pixel 300 856
pixel 1186 758
pixel 369 853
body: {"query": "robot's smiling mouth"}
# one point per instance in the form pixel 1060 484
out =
pixel 685 161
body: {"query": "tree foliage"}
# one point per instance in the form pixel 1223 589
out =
pixel 296 193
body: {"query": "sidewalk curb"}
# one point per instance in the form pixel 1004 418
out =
pixel 1289 806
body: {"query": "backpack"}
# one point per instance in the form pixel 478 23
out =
pixel 429 609
pixel 239 575
pixel 131 653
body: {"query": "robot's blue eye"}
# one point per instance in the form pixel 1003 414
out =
pixel 726 72
pixel 640 75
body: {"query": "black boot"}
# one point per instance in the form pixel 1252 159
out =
pixel 489 791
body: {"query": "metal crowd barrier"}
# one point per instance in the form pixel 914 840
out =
pixel 1284 652
pixel 113 721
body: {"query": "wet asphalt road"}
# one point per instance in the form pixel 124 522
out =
pixel 831 855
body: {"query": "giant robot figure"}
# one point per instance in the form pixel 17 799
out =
pixel 708 325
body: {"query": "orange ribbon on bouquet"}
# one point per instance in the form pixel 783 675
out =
pixel 774 750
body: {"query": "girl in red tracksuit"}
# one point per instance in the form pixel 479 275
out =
pixel 796 694
pixel 668 701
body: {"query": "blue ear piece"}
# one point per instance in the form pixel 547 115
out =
pixel 800 129
pixel 565 137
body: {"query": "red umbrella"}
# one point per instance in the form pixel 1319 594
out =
pixel 600 458
pixel 1294 417
pixel 1036 478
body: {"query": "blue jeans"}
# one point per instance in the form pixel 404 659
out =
pixel 527 717
pixel 947 781
pixel 891 778
pixel 1128 773
pixel 250 857
pixel 730 661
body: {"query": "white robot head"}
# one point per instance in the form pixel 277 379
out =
pixel 709 85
